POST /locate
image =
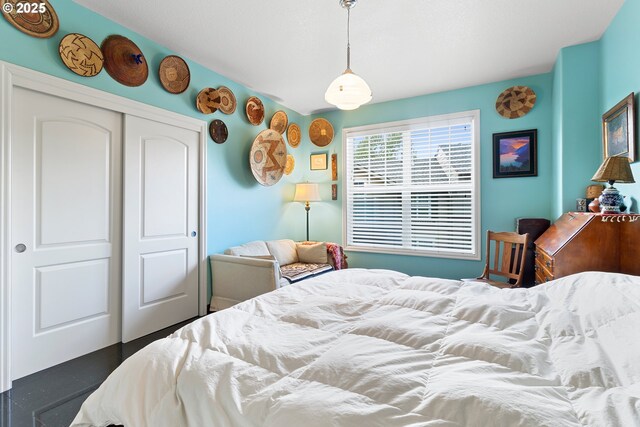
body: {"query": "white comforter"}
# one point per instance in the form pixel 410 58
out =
pixel 379 348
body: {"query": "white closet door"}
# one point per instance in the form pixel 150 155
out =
pixel 160 260
pixel 65 235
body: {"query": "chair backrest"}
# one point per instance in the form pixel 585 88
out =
pixel 508 256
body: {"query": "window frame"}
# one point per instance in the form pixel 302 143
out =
pixel 403 125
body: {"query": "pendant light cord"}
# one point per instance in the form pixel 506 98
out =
pixel 348 39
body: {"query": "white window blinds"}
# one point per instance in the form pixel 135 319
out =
pixel 412 187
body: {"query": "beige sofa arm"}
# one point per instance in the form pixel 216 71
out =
pixel 235 279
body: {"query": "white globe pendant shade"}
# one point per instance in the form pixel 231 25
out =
pixel 348 91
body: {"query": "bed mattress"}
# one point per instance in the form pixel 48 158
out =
pixel 379 348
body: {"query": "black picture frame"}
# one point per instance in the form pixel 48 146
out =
pixel 515 154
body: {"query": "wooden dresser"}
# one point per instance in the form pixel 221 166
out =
pixel 580 241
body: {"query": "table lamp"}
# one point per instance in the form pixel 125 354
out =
pixel 306 193
pixel 613 169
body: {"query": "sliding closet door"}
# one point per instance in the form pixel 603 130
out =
pixel 65 234
pixel 160 261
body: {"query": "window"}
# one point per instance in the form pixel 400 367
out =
pixel 412 187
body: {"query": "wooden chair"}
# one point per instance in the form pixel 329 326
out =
pixel 508 259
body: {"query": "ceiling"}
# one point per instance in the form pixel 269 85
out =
pixel 291 50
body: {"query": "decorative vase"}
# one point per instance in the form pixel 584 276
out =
pixel 594 206
pixel 610 201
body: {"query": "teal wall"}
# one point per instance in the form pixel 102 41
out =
pixel 620 74
pixel 502 200
pixel 576 124
pixel 586 81
pixel 239 209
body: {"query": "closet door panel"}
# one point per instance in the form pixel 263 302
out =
pixel 160 261
pixel 65 233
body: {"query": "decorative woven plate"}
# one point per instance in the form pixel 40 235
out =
pixel 174 74
pixel 321 132
pixel 218 131
pixel 81 55
pixel 289 165
pixel 208 100
pixel 279 121
pixel 124 61
pixel 227 100
pixel 42 25
pixel 268 157
pixel 254 110
pixel 515 102
pixel 294 135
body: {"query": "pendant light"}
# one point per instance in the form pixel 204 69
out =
pixel 348 91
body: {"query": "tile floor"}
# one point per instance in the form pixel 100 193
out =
pixel 53 397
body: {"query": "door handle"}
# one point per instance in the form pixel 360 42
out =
pixel 21 247
pixel 194 234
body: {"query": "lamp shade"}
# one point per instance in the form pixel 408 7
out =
pixel 614 169
pixel 306 193
pixel 348 91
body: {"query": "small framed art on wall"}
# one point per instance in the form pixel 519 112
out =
pixel 515 154
pixel 318 161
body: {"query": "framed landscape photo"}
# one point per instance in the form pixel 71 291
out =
pixel 318 161
pixel 618 138
pixel 515 153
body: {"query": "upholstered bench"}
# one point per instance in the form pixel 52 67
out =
pixel 254 268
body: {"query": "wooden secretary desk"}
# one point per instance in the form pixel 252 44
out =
pixel 580 241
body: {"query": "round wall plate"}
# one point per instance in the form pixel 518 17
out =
pixel 515 102
pixel 227 100
pixel 254 110
pixel 174 74
pixel 218 131
pixel 208 100
pixel 268 157
pixel 279 121
pixel 124 61
pixel 81 55
pixel 32 22
pixel 321 132
pixel 289 165
pixel 294 135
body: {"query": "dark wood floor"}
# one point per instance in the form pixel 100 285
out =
pixel 53 397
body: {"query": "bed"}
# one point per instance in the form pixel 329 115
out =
pixel 380 348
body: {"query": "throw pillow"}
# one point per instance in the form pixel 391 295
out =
pixel 315 253
pixel 284 250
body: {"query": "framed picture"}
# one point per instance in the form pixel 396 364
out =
pixel 515 154
pixel 334 167
pixel 319 161
pixel 618 138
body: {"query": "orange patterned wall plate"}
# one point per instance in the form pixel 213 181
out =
pixel 36 18
pixel 515 102
pixel 254 110
pixel 81 55
pixel 268 157
pixel 321 132
pixel 279 121
pixel 124 61
pixel 227 100
pixel 294 135
pixel 174 74
pixel 208 100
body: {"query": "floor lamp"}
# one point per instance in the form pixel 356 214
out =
pixel 307 193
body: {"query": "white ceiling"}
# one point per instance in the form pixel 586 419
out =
pixel 291 50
